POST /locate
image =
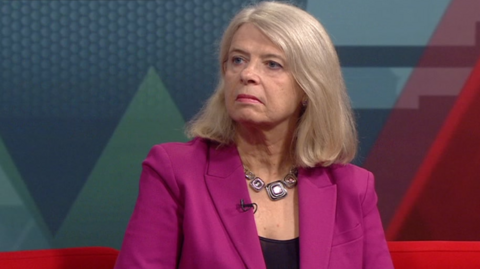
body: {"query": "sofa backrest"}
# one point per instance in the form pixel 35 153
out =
pixel 66 258
pixel 435 254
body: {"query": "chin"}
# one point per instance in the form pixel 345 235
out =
pixel 248 117
pixel 252 123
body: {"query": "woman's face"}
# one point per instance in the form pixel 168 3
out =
pixel 259 88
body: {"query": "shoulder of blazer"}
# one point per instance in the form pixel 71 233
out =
pixel 184 152
pixel 186 159
pixel 175 157
pixel 350 177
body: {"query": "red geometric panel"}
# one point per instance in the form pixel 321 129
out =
pixel 425 102
pixel 443 202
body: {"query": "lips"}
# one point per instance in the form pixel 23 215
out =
pixel 247 98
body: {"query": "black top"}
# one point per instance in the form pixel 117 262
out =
pixel 280 254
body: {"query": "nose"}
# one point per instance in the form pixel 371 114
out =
pixel 249 74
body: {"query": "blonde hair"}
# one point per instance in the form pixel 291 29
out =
pixel 326 132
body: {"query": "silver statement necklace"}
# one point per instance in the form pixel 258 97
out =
pixel 276 190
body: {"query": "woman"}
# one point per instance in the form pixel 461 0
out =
pixel 265 183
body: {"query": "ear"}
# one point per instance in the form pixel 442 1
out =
pixel 304 102
pixel 304 96
pixel 304 99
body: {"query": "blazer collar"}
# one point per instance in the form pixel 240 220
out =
pixel 317 197
pixel 225 180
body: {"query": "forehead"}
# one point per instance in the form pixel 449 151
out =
pixel 248 36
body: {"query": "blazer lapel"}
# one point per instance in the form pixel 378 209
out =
pixel 225 181
pixel 317 204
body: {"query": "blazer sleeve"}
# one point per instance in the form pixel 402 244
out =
pixel 376 253
pixel 153 238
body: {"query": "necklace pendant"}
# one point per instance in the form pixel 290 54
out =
pixel 276 190
pixel 290 180
pixel 257 184
pixel 249 175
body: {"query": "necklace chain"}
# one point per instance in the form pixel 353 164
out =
pixel 276 190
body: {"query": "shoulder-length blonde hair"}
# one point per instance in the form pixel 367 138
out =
pixel 326 132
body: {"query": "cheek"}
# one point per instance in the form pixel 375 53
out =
pixel 293 99
pixel 229 103
pixel 228 79
pixel 298 93
pixel 229 97
pixel 227 89
pixel 229 84
pixel 293 94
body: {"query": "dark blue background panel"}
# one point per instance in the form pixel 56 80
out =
pixel 69 69
pixel 54 157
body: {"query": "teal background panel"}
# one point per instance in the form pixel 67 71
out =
pixel 378 22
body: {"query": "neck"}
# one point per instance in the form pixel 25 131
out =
pixel 266 153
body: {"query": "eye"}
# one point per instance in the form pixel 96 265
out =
pixel 274 65
pixel 236 60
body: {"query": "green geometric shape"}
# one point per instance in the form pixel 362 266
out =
pixel 8 194
pixel 11 180
pixel 101 212
pixel 22 226
pixel 19 230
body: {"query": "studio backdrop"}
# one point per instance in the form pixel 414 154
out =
pixel 88 87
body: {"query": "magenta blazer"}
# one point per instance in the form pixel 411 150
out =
pixel 188 214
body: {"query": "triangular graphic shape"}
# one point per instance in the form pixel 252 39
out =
pixel 54 156
pixel 445 188
pixel 425 102
pixel 100 214
pixel 8 195
pixel 21 223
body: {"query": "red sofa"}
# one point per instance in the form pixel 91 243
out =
pixel 435 254
pixel 66 258
pixel 405 255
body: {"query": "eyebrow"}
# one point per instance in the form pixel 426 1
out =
pixel 268 55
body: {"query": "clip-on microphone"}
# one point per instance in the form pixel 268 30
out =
pixel 246 207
